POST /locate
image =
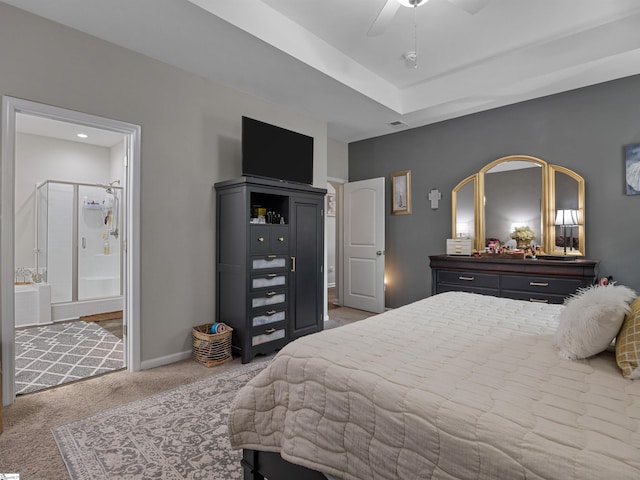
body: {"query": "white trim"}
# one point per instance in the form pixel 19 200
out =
pixel 336 180
pixel 7 261
pixel 10 107
pixel 166 360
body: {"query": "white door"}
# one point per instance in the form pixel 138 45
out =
pixel 364 245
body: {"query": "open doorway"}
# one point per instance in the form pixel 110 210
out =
pixel 333 227
pixel 80 214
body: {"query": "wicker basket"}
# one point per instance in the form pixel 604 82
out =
pixel 211 349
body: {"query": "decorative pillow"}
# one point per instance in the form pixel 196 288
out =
pixel 628 343
pixel 591 319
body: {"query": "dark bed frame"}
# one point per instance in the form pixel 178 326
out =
pixel 259 465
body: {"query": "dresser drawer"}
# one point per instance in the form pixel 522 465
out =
pixel 543 285
pixel 469 279
pixel 533 296
pixel 268 280
pixel 443 287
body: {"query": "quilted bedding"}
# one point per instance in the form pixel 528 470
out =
pixel 455 386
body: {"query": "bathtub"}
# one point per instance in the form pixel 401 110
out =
pixel 32 304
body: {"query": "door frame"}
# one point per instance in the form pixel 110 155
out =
pixel 131 314
pixel 338 184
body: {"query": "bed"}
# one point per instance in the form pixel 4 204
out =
pixel 455 386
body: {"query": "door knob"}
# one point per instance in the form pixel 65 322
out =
pixel 379 252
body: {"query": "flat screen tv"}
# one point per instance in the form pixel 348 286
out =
pixel 275 152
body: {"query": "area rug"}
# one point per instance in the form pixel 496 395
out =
pixel 176 435
pixel 55 354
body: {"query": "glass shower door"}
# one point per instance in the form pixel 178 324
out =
pixel 99 259
pixel 55 239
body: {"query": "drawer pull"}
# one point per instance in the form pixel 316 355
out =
pixel 467 279
pixel 271 294
pixel 272 275
pixel 269 331
pixel 261 239
pixel 271 256
pixel 281 239
pixel 538 300
pixel 538 284
pixel 271 312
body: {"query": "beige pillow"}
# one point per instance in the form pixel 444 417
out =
pixel 628 343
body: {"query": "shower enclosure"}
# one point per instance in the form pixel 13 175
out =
pixel 78 246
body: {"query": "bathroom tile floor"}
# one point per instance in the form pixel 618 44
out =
pixel 55 354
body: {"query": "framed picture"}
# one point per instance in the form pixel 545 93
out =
pixel 632 168
pixel 401 192
pixel 331 205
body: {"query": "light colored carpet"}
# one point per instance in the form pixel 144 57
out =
pixel 178 435
pixel 27 445
pixel 55 354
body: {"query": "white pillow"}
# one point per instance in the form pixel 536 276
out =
pixel 591 319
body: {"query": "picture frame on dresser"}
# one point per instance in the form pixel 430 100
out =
pixel 401 192
pixel 632 168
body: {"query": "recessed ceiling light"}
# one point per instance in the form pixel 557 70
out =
pixel 83 135
pixel 398 124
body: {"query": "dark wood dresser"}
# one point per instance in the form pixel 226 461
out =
pixel 548 281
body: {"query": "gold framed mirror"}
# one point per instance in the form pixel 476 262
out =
pixel 520 191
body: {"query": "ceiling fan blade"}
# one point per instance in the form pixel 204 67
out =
pixel 385 16
pixel 470 6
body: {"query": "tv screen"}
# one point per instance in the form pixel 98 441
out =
pixel 275 152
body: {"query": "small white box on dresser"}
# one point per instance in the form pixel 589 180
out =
pixel 459 246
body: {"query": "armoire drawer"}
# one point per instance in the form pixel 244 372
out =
pixel 269 316
pixel 469 279
pixel 269 298
pixel 268 280
pixel 268 262
pixel 268 335
pixel 269 238
pixel 279 238
pixel 548 285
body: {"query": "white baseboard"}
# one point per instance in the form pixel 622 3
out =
pixel 166 360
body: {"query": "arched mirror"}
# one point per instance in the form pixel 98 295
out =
pixel 566 198
pixel 522 193
pixel 463 198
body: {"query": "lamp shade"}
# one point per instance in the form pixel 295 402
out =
pixel 567 217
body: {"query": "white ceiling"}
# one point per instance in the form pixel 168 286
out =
pixel 315 56
pixel 47 127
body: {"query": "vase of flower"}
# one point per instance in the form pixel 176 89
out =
pixel 523 236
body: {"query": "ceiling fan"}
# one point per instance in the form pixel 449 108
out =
pixel 392 6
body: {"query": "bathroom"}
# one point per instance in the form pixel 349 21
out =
pixel 68 223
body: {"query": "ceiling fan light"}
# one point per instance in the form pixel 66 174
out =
pixel 412 3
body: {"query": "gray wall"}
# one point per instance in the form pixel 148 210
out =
pixel 191 132
pixel 584 130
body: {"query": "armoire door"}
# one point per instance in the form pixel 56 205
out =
pixel 307 256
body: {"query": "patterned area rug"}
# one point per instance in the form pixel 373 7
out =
pixel 177 435
pixel 61 353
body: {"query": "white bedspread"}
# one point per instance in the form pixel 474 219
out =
pixel 456 386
